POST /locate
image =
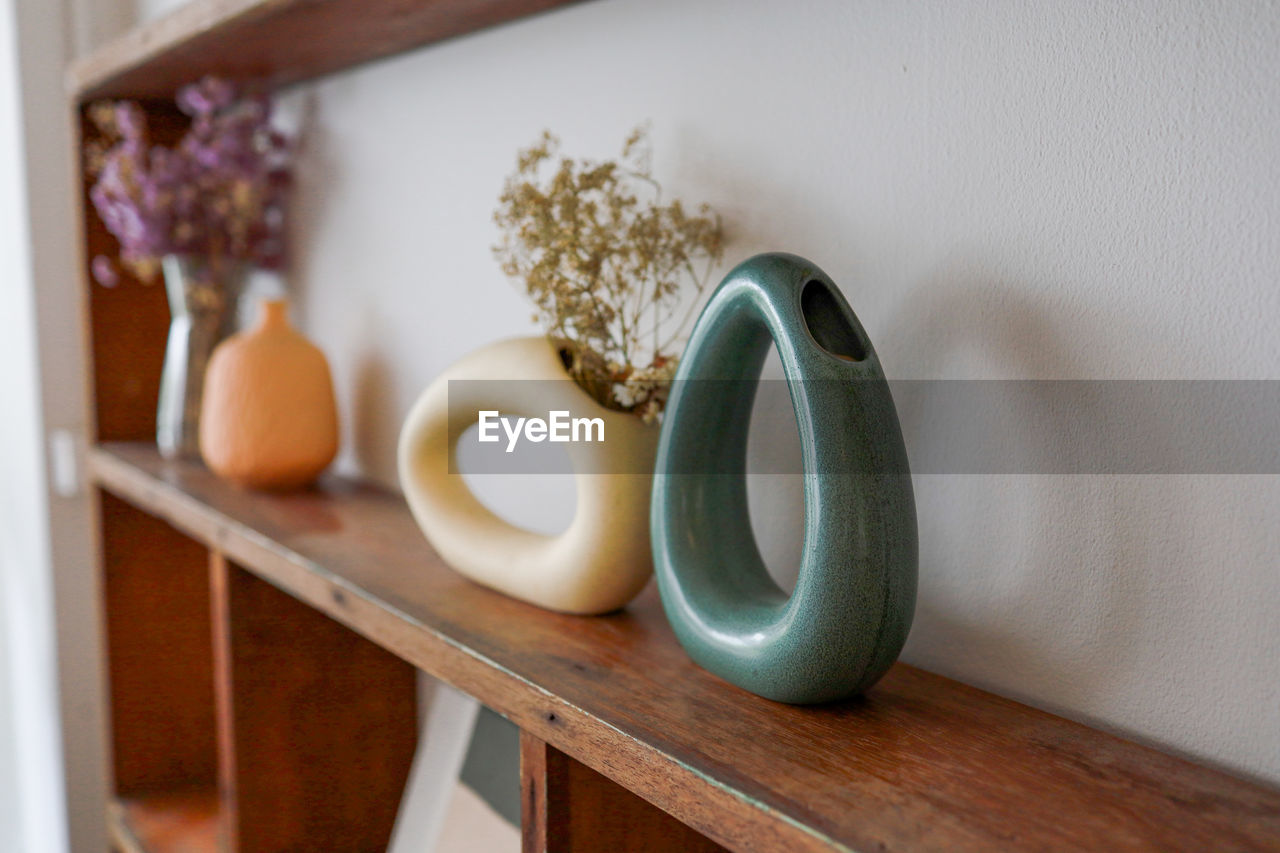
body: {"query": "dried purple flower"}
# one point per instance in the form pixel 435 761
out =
pixel 207 96
pixel 104 272
pixel 220 193
pixel 130 122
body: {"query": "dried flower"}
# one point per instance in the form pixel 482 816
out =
pixel 105 272
pixel 220 193
pixel 605 267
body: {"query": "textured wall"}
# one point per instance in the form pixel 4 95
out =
pixel 1003 190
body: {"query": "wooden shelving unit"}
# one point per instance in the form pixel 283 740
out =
pixel 263 649
pixel 921 762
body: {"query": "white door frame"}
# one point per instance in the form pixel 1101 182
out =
pixel 54 598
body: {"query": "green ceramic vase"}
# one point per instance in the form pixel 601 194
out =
pixel 848 617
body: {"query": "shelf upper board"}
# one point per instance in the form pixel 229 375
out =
pixel 920 762
pixel 279 41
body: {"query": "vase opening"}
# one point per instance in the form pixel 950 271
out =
pixel 274 312
pixel 828 326
pixel 566 357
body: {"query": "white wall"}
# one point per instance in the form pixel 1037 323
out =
pixel 1071 190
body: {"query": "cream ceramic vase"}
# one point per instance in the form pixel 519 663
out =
pixel 603 559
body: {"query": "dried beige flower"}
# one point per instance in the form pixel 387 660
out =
pixel 604 260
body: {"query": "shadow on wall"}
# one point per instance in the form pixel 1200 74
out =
pixel 761 211
pixel 1032 584
pixel 314 176
pixel 371 415
pixel 375 415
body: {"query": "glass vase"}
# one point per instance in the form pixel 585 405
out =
pixel 203 298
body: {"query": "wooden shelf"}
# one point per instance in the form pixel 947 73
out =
pixel 921 762
pixel 188 821
pixel 279 41
pixel 260 695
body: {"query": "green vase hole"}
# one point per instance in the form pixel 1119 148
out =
pixel 827 324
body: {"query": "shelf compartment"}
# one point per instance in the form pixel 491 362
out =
pixel 279 41
pixel 187 821
pixel 568 806
pixel 920 762
pixel 317 724
pixel 159 653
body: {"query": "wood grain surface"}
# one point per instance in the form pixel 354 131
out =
pixel 318 725
pixel 159 653
pixel 921 762
pixel 566 807
pixel 276 41
pixel 185 821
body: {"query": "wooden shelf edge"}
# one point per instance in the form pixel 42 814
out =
pixel 120 832
pixel 278 41
pixel 188 821
pixel 90 73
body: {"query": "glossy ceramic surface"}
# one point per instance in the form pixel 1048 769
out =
pixel 848 617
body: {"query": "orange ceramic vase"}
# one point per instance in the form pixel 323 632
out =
pixel 268 420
